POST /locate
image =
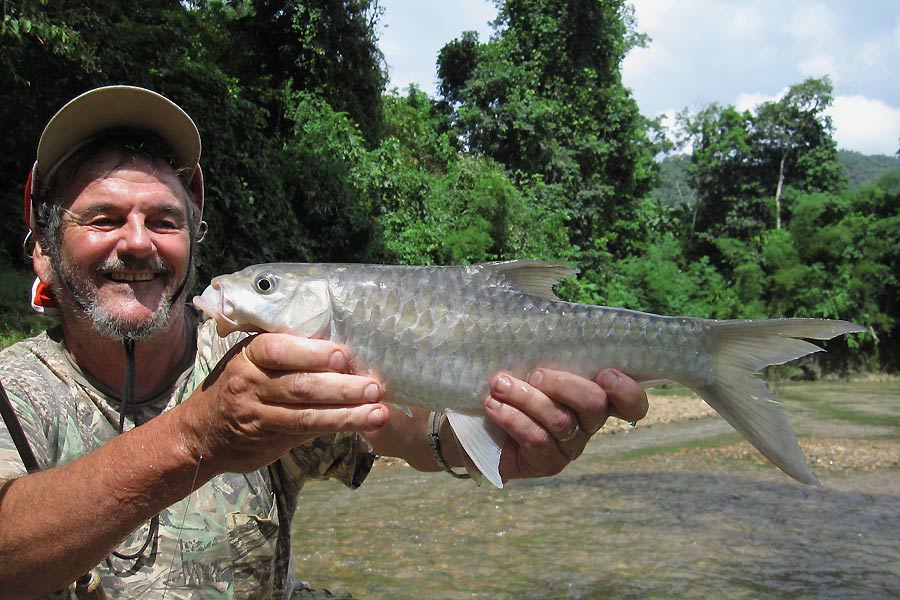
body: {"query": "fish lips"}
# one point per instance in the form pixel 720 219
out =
pixel 212 302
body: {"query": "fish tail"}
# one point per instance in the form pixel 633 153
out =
pixel 741 349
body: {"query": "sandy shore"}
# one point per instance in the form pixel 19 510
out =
pixel 665 409
pixel 823 453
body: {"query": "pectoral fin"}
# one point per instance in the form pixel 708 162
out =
pixel 483 440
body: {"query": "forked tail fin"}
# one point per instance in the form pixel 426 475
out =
pixel 741 350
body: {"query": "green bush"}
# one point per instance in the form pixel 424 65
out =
pixel 17 320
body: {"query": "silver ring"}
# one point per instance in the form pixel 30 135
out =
pixel 572 435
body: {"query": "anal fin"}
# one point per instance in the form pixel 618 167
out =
pixel 483 440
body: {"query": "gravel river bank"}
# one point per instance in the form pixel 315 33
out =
pixel 679 507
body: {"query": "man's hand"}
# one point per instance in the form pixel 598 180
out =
pixel 551 417
pixel 272 392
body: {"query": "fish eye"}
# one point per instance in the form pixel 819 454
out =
pixel 265 283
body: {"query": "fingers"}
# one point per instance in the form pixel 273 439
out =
pixel 551 417
pixel 309 371
pixel 562 409
pixel 289 384
pixel 583 401
pixel 627 399
pixel 533 423
pixel 301 387
pixel 321 403
pixel 276 352
pixel 326 419
pixel 612 393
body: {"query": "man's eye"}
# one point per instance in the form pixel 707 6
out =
pixel 104 222
pixel 167 224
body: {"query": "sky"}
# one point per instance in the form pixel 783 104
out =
pixel 734 52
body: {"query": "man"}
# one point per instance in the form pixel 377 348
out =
pixel 171 459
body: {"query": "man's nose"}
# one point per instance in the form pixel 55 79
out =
pixel 135 237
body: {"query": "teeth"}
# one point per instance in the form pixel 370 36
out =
pixel 132 276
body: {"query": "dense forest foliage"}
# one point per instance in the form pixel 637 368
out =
pixel 866 170
pixel 533 148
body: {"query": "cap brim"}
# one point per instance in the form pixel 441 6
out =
pixel 117 106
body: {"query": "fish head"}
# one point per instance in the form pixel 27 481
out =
pixel 266 298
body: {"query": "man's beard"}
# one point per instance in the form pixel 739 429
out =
pixel 86 296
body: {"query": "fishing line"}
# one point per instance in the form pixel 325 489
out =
pixel 181 289
pixel 187 506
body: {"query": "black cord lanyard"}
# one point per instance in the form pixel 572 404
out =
pixel 128 398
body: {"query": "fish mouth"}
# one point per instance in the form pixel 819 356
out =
pixel 216 306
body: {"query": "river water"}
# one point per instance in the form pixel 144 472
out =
pixel 609 527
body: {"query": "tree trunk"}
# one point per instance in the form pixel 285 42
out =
pixel 778 191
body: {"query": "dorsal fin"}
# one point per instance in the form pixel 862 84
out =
pixel 534 277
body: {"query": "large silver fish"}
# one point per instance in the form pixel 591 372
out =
pixel 435 336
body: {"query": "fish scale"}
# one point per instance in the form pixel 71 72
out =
pixel 436 335
pixel 469 341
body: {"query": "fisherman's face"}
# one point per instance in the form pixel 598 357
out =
pixel 124 245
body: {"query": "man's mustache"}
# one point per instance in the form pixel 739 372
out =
pixel 155 266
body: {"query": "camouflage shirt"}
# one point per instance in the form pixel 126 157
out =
pixel 229 539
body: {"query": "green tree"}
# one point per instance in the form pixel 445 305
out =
pixel 876 212
pixel 302 84
pixel 728 194
pixel 740 161
pixel 544 98
pixel 325 171
pixel 866 170
pixel 435 204
pixel 329 48
pixel 793 138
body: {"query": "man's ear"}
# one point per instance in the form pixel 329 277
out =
pixel 43 267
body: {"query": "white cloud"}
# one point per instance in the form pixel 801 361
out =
pixel 656 14
pixel 413 32
pixel 874 53
pixel 749 101
pixel 819 66
pixel 866 125
pixel 812 23
pixel 741 51
pixel 645 62
pixel 741 22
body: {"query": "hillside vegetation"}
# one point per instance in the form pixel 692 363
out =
pixel 533 148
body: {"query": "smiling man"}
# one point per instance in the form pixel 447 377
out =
pixel 168 461
pixel 126 228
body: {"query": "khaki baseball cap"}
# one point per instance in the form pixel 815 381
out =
pixel 110 107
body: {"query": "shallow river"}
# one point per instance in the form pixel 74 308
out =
pixel 607 528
